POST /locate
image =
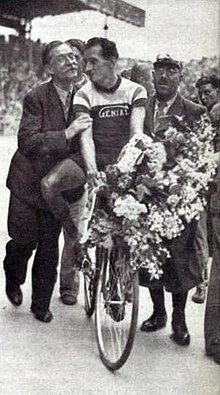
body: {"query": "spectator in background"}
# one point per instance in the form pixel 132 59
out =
pixel 126 74
pixel 141 74
pixel 47 135
pixel 209 93
pixel 78 47
pixel 182 270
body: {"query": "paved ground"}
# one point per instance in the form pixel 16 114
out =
pixel 61 358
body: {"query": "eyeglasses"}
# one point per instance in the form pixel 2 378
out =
pixel 170 71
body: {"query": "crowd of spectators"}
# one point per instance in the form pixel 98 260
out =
pixel 20 71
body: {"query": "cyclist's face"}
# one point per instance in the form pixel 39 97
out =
pixel 166 81
pixel 62 64
pixel 98 68
pixel 209 95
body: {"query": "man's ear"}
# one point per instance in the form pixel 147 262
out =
pixel 153 75
pixel 113 61
pixel 83 64
pixel 49 69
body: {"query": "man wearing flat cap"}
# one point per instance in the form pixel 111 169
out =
pixel 182 271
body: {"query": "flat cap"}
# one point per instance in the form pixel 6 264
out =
pixel 166 59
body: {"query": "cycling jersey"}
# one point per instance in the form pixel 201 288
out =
pixel 110 110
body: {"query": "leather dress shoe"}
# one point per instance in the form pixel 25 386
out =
pixel 155 322
pixel 14 294
pixel 180 334
pixel 44 316
pixel 68 299
pixel 199 295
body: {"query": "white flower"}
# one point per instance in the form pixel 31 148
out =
pixel 128 207
pixel 128 161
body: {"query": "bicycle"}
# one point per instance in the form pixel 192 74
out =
pixel 111 290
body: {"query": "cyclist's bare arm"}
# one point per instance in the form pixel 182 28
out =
pixel 89 154
pixel 137 120
pixel 88 147
pixel 88 151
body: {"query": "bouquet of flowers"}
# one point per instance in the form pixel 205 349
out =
pixel 154 189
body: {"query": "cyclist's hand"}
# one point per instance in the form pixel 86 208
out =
pixel 101 178
pixel 96 179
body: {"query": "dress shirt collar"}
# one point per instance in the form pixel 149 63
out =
pixel 168 104
pixel 63 93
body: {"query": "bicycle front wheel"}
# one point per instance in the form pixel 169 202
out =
pixel 116 308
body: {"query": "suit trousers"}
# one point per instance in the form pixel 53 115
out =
pixel 63 185
pixel 63 189
pixel 69 276
pixel 32 229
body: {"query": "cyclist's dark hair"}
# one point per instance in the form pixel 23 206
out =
pixel 209 79
pixel 109 48
pixel 47 50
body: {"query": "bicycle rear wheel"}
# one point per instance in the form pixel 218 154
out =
pixel 116 308
pixel 90 276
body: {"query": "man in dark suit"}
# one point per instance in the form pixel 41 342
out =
pixel 182 270
pixel 50 186
pixel 47 135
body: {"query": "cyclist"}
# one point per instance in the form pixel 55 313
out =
pixel 117 107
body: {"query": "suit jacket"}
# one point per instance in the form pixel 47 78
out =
pixel 215 197
pixel 181 106
pixel 41 143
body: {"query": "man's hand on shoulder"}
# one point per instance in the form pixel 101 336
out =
pixel 80 124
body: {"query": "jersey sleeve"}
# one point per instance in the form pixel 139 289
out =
pixel 81 102
pixel 139 97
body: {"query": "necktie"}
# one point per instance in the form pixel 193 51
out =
pixel 159 120
pixel 68 102
pixel 160 109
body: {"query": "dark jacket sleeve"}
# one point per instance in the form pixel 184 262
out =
pixel 34 137
pixel 194 111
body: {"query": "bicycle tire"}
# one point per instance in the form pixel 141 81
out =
pixel 90 277
pixel 115 333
